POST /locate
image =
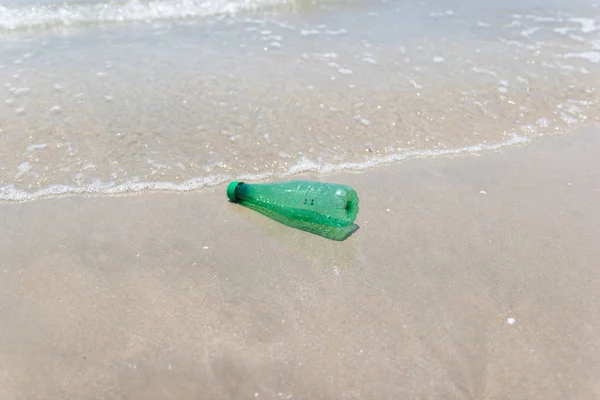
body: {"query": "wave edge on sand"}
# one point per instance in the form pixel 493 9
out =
pixel 11 194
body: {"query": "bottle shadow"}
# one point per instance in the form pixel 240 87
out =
pixel 329 232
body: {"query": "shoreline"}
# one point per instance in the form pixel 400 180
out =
pixel 101 189
pixel 348 85
pixel 470 277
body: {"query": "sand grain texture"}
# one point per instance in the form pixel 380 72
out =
pixel 187 296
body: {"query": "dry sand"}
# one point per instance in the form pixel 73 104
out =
pixel 186 296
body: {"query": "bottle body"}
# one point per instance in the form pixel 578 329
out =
pixel 321 203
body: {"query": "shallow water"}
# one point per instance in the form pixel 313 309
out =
pixel 175 95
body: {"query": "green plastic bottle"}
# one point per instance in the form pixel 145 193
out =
pixel 326 209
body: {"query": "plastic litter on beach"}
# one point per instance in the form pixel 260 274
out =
pixel 325 209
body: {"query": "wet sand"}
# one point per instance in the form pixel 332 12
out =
pixel 471 277
pixel 96 107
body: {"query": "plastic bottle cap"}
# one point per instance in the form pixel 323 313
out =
pixel 231 190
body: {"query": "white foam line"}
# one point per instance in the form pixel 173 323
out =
pixel 64 14
pixel 11 194
pixel 309 166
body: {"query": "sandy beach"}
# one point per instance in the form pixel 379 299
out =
pixel 471 277
pixel 464 126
